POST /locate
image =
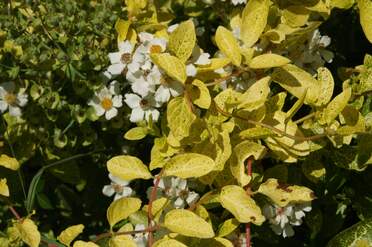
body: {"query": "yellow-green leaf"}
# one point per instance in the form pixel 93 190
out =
pixel 9 162
pixel 80 243
pixel 4 190
pixel 121 209
pixel 254 19
pixel 228 227
pixel 168 243
pixel 216 63
pixel 179 117
pixel 295 16
pixel 256 133
pixel 283 194
pixel 236 200
pixel 228 44
pixel 182 40
pixel 256 95
pixel 70 234
pixel 200 94
pixel 122 27
pixel 342 4
pixel 123 240
pixel 29 232
pixel 241 152
pixel 326 85
pixel 187 223
pixel 136 133
pixel 365 10
pixel 336 106
pixel 269 60
pixel 189 165
pixel 296 81
pixel 172 66
pixel 128 167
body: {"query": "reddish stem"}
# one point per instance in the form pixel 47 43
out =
pixel 248 189
pixel 14 212
pixel 149 209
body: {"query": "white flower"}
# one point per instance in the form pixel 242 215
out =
pixel 11 100
pixel 172 28
pixel 151 44
pixel 125 60
pixel 168 87
pixel 198 57
pixel 141 82
pixel 176 189
pixel 142 108
pixel 282 219
pixel 140 238
pixel 236 2
pixel 107 100
pixel 118 187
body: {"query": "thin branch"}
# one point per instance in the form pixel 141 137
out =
pixel 14 212
pixel 111 234
pixel 309 116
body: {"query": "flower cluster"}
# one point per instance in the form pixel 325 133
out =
pixel 282 219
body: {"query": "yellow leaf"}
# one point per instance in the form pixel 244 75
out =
pixel 122 27
pixel 269 60
pixel 228 227
pixel 179 117
pixel 200 94
pixel 172 66
pixel 256 133
pixel 70 234
pixel 80 243
pixel 4 190
pixel 157 206
pixel 187 223
pixel 282 194
pixel 128 167
pixel 136 133
pixel 182 40
pixel 216 63
pixel 295 16
pixel 123 240
pixel 9 162
pixel 296 81
pixel 336 106
pixel 342 4
pixel 326 85
pixel 254 20
pixel 256 95
pixel 241 152
pixel 189 165
pixel 29 232
pixel 215 242
pixel 168 243
pixel 121 209
pixel 236 200
pixel 228 44
pixel 135 6
pixel 365 10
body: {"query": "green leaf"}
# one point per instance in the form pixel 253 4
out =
pixel 241 152
pixel 128 167
pixel 121 209
pixel 254 19
pixel 365 10
pixel 172 66
pixel 179 117
pixel 269 60
pixel 336 106
pixel 9 162
pixel 228 44
pixel 136 133
pixel 228 227
pixel 187 223
pixel 182 40
pixel 189 165
pixel 361 231
pixel 283 194
pixel 168 243
pixel 236 200
pixel 70 234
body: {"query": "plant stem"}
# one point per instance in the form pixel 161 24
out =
pixel 110 234
pixel 304 118
pixel 149 213
pixel 14 212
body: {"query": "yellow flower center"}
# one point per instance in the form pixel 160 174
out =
pixel 155 49
pixel 106 104
pixel 10 98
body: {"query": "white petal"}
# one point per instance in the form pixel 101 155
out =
pixel 162 94
pixel 141 87
pixel 179 203
pixel 14 111
pixel 3 106
pixel 176 88
pixel 127 191
pixel 99 110
pixel 116 69
pixel 192 198
pixel 117 101
pixel 145 37
pixel 136 115
pixel 288 231
pixel 118 181
pixel 113 112
pixel 299 214
pixel 133 67
pixel 108 190
pixel 325 41
pixel 115 57
pixel 132 100
pixel 22 99
pixel 114 87
pixel 126 47
pixel 172 28
pixel 191 70
pixel 153 113
pixel 203 59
